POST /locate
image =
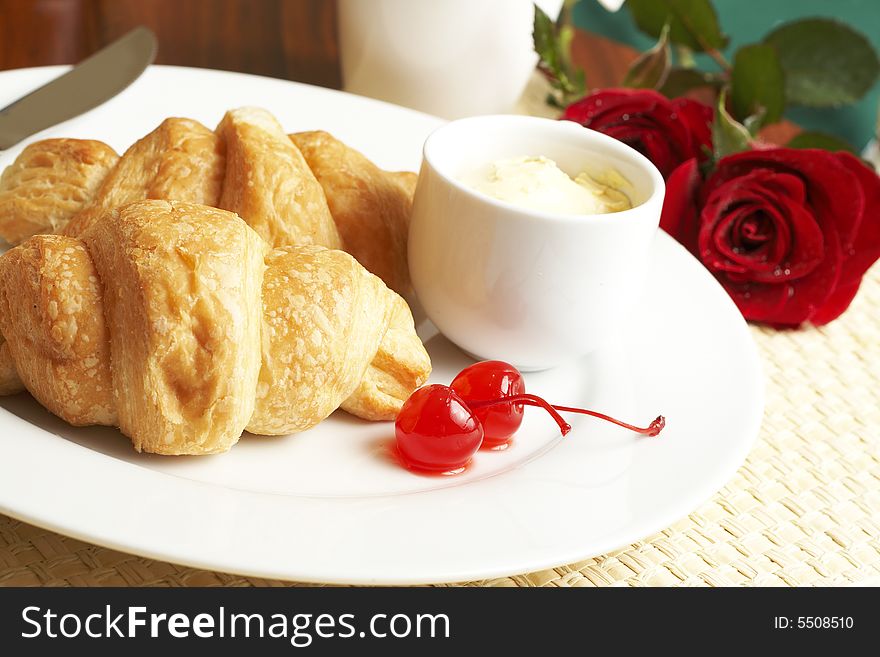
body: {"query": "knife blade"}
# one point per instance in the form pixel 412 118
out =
pixel 88 84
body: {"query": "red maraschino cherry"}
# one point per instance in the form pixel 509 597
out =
pixel 436 431
pixel 439 430
pixel 492 379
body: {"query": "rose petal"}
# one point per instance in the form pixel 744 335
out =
pixel 679 217
pixel 864 249
pixel 758 302
pixel 836 303
pixel 698 118
pixel 599 106
pixel 811 292
pixel 764 260
pixel 655 148
pixel 767 257
pixel 784 184
pixel 716 229
pixel 806 244
pixel 657 141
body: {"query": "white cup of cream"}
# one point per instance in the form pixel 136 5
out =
pixel 519 284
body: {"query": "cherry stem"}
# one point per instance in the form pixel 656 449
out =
pixel 651 430
pixel 533 400
pixel 529 400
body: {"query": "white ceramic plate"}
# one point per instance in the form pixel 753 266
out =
pixel 329 505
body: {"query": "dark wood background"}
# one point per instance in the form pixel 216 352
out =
pixel 293 39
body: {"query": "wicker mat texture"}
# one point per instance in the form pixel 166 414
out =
pixel 804 509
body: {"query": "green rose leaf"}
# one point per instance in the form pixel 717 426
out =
pixel 820 140
pixel 681 80
pixel 728 135
pixel 757 84
pixel 552 46
pixel 546 42
pixel 649 71
pixel 692 23
pixel 826 63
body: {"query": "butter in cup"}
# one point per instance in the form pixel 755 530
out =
pixel 536 183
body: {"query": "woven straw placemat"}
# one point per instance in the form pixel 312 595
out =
pixel 804 509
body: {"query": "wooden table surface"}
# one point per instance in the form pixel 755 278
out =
pixel 293 39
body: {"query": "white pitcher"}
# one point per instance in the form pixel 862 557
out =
pixel 451 58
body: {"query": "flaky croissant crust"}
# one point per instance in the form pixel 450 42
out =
pixel 176 322
pixel 247 165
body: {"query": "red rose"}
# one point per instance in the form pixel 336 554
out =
pixel 667 132
pixel 788 233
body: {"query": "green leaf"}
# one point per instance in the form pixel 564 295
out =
pixel 681 80
pixel 757 84
pixel 544 36
pixel 728 135
pixel 692 23
pixel 826 63
pixel 552 45
pixel 649 71
pixel 820 140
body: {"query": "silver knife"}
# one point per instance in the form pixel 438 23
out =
pixel 87 85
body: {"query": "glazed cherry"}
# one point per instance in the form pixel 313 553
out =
pixel 492 380
pixel 439 430
pixel 436 431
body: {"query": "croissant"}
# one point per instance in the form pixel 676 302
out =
pixel 371 207
pixel 10 384
pixel 49 182
pixel 176 322
pixel 74 182
pixel 180 160
pixel 248 165
pixel 269 184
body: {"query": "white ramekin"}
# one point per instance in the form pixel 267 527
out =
pixel 535 289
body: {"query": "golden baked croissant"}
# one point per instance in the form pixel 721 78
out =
pixel 265 178
pixel 270 185
pixel 10 383
pixel 371 207
pixel 177 323
pixel 49 182
pixel 180 160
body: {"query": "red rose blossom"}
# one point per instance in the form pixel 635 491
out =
pixel 667 132
pixel 788 233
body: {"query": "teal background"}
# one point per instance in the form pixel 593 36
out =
pixel 747 21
